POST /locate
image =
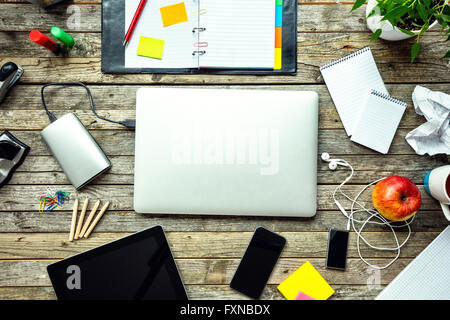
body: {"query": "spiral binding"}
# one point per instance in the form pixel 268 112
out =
pixel 386 97
pixel 199 29
pixel 354 54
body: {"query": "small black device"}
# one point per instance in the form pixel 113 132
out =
pixel 258 262
pixel 337 249
pixel 12 154
pixel 137 267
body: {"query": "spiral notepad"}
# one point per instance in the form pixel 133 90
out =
pixel 378 122
pixel 350 80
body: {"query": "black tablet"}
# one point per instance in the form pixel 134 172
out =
pixel 137 267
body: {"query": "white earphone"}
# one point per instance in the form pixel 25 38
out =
pixel 373 214
pixel 333 163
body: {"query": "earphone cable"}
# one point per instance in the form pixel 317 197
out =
pixel 373 214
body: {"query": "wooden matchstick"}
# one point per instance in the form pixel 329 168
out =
pixel 74 220
pixel 97 219
pixel 89 219
pixel 81 218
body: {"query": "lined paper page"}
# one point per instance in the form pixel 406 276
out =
pixel 378 122
pixel 178 38
pixel 350 81
pixel 240 34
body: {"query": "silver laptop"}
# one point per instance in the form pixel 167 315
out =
pixel 236 152
pixel 427 277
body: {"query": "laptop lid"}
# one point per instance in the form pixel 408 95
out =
pixel 238 152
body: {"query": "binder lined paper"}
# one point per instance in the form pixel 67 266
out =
pixel 178 38
pixel 240 34
pixel 350 81
pixel 378 122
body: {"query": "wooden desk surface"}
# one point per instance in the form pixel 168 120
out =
pixel 207 249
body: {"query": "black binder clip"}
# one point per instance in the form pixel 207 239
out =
pixel 10 73
pixel 12 154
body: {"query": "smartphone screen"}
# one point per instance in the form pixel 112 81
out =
pixel 337 249
pixel 258 262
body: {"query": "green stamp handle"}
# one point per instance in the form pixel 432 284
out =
pixel 62 36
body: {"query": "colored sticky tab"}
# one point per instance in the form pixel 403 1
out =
pixel 302 296
pixel 149 47
pixel 174 14
pixel 278 56
pixel 278 37
pixel 278 16
pixel 307 280
pixel 278 2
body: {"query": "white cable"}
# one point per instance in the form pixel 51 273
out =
pixel 373 214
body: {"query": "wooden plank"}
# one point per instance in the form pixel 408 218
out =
pixel 312 17
pixel 216 271
pixel 129 221
pixel 206 244
pixel 26 197
pixel 44 70
pixel 121 143
pixel 194 292
pixel 318 17
pixel 123 97
pixel 44 170
pixel 332 45
pixel 118 102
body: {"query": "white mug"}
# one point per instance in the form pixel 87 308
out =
pixel 437 184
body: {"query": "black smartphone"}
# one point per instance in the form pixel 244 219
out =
pixel 337 249
pixel 258 262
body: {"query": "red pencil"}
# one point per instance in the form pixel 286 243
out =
pixel 134 22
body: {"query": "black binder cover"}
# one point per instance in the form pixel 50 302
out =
pixel 113 52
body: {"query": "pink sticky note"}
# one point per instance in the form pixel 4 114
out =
pixel 302 296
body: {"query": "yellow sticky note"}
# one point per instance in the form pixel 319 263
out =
pixel 173 14
pixel 149 47
pixel 307 280
pixel 278 55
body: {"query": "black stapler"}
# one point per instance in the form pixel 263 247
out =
pixel 10 73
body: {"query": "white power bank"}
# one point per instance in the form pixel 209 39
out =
pixel 76 151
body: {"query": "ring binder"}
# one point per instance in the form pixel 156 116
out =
pixel 357 53
pixel 199 29
pixel 198 52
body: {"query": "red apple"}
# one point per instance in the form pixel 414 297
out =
pixel 396 198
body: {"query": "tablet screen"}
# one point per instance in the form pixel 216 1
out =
pixel 137 267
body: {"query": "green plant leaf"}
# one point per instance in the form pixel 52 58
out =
pixel 447 55
pixel 395 13
pixel 415 51
pixel 376 35
pixel 358 3
pixel 408 32
pixel 422 13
